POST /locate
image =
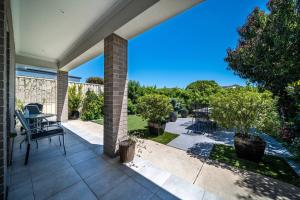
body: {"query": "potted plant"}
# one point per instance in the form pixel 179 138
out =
pixel 184 113
pixel 173 116
pixel 74 100
pixel 127 149
pixel 155 109
pixel 243 110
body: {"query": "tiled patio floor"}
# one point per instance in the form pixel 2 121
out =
pixel 85 173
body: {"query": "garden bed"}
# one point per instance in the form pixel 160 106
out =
pixel 271 166
pixel 138 127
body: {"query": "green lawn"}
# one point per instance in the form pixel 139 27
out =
pixel 136 122
pixel 138 126
pixel 271 166
pixel 165 138
pixel 98 121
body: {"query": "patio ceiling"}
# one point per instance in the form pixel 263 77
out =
pixel 66 33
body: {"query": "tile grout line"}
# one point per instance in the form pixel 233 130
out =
pixel 199 172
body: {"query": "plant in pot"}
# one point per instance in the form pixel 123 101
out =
pixel 175 105
pixel 184 113
pixel 74 100
pixel 127 149
pixel 155 108
pixel 243 110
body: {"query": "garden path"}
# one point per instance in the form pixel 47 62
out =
pixel 202 144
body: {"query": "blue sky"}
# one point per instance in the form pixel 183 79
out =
pixel 190 46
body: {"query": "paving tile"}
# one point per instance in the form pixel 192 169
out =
pixel 126 169
pixel 19 179
pixel 81 156
pixel 70 150
pixel 146 183
pixel 128 190
pixel 155 197
pixel 165 195
pixel 46 167
pixel 92 166
pixel 101 183
pixel 181 189
pixel 24 192
pixel 16 186
pixel 98 150
pixel 210 196
pixel 154 174
pixel 49 184
pixel 18 167
pixel 78 191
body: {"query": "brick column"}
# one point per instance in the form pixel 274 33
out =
pixel 115 92
pixel 62 96
pixel 3 100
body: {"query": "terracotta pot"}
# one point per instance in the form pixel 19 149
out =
pixel 252 149
pixel 156 128
pixel 127 150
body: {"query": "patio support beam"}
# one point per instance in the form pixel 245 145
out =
pixel 115 92
pixel 62 96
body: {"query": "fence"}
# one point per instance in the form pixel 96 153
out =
pixel 40 90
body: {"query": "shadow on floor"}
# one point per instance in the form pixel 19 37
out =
pixel 84 173
pixel 259 185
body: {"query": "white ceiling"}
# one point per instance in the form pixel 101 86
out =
pixel 66 33
pixel 46 28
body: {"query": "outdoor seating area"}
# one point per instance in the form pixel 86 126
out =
pixel 35 126
pixel 84 172
pixel 149 100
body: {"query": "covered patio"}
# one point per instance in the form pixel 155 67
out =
pixel 62 35
pixel 86 173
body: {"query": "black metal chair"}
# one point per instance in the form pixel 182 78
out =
pixel 35 134
pixel 40 106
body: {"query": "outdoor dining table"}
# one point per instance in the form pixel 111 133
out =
pixel 38 118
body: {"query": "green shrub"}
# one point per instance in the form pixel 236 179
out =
pixel 92 106
pixel 184 113
pixel 199 93
pixel 131 107
pixel 20 104
pixel 74 97
pixel 154 107
pixel 177 104
pixel 246 108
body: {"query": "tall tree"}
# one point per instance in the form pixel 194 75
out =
pixel 268 50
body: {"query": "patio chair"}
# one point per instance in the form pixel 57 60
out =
pixel 36 108
pixel 40 106
pixel 35 135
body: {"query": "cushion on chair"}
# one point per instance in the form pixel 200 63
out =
pixel 52 131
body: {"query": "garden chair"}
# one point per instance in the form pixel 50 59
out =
pixel 36 108
pixel 40 106
pixel 35 135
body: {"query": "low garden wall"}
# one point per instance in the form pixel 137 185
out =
pixel 41 90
